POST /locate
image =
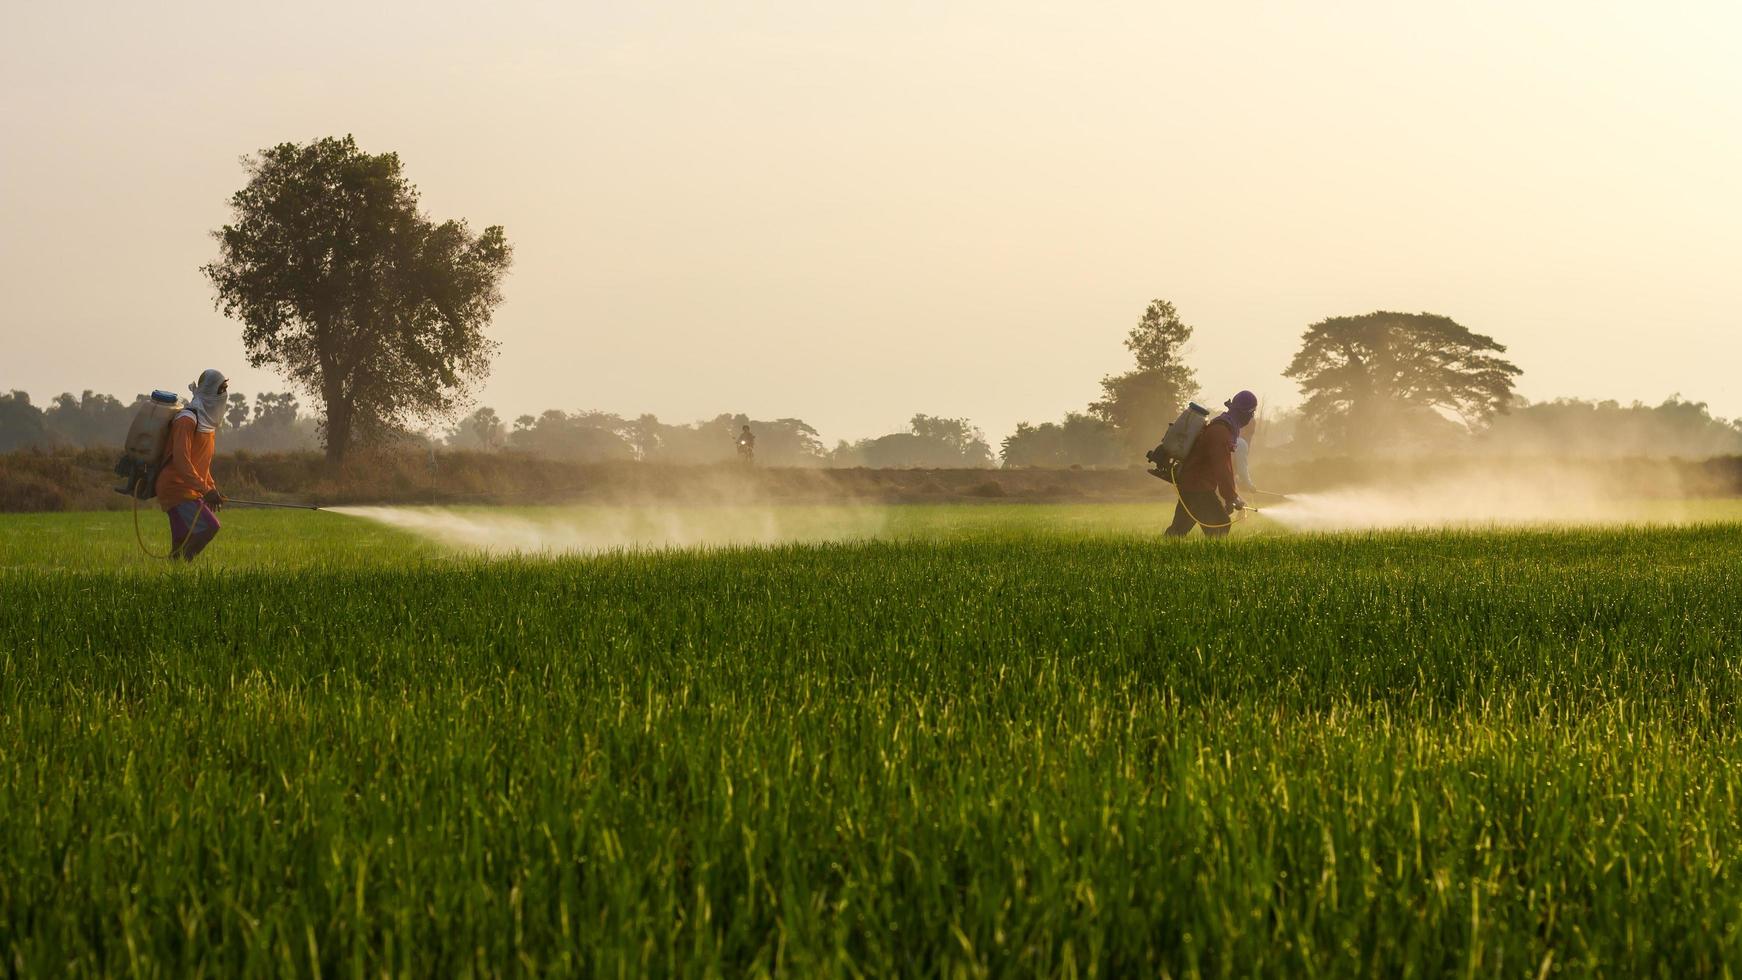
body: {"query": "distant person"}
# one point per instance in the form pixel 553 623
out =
pixel 747 445
pixel 1242 465
pixel 185 488
pixel 1208 471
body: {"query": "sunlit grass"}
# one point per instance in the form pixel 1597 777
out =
pixel 287 539
pixel 1009 739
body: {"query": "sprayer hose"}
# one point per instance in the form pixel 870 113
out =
pixel 139 535
pixel 1172 471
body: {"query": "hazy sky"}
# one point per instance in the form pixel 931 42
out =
pixel 853 212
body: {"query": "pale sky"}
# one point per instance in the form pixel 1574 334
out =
pixel 854 212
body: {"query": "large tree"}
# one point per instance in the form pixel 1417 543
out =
pixel 1370 379
pixel 362 300
pixel 1142 402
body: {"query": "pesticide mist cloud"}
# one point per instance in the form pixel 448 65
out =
pixel 590 530
pixel 1543 494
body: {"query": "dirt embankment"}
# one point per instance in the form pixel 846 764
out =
pixel 82 480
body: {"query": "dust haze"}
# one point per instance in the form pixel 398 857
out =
pixel 1503 478
pixel 1566 462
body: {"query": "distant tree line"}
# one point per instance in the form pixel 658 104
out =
pixel 90 420
pixel 274 422
pixel 1578 428
pixel 928 442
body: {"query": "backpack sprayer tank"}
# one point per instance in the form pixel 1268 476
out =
pixel 1177 442
pixel 147 442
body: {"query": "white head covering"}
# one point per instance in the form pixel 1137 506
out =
pixel 207 403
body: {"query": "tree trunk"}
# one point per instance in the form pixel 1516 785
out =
pixel 338 443
pixel 337 428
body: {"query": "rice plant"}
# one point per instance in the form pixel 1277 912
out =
pixel 982 742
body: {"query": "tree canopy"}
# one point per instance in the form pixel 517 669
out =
pixel 21 423
pixel 366 303
pixel 929 442
pixel 1142 402
pixel 1371 379
pixel 91 419
pixel 593 436
pixel 1078 441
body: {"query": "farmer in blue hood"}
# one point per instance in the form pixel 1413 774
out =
pixel 1207 495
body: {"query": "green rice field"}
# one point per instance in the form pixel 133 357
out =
pixel 974 740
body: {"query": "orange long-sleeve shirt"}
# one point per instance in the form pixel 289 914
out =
pixel 187 473
pixel 1210 464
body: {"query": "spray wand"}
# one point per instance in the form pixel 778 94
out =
pixel 140 536
pixel 267 503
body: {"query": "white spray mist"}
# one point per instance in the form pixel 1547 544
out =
pixel 592 529
pixel 1541 494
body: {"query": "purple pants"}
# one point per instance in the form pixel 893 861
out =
pixel 192 516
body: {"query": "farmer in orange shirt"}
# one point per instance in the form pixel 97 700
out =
pixel 184 485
